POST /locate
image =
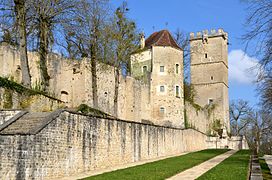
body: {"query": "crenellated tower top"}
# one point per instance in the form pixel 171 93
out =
pixel 208 34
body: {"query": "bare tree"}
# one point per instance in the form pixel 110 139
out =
pixel 259 37
pixel 14 13
pixel 46 16
pixel 260 128
pixel 84 38
pixel 183 41
pixel 20 11
pixel 125 42
pixel 238 112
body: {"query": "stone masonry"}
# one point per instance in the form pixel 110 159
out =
pixel 209 72
pixel 63 143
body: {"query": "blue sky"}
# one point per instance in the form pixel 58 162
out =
pixel 198 15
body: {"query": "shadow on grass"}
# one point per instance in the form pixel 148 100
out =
pixel 265 169
pixel 233 168
pixel 163 168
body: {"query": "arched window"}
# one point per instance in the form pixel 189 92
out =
pixel 64 96
pixel 144 69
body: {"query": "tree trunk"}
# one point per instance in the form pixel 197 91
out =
pixel 116 91
pixel 237 128
pixel 94 75
pixel 21 19
pixel 43 51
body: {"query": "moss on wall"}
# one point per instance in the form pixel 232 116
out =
pixel 13 86
pixel 7 104
pixel 85 109
pixel 26 96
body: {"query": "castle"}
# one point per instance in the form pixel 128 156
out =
pixel 154 91
pixel 153 119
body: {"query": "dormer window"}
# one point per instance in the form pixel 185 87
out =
pixel 161 68
pixel 211 77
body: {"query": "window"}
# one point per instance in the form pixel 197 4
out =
pixel 162 89
pixel 210 101
pixel 206 55
pixel 144 69
pixel 211 77
pixel 162 110
pixel 161 68
pixel 177 68
pixel 177 91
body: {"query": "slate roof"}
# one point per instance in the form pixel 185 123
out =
pixel 161 38
pixel 27 123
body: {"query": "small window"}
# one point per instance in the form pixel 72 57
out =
pixel 177 68
pixel 162 89
pixel 161 68
pixel 162 110
pixel 177 91
pixel 206 55
pixel 211 77
pixel 210 101
pixel 144 69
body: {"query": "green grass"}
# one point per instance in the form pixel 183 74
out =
pixel 232 168
pixel 162 169
pixel 265 169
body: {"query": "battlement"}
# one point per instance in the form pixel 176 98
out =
pixel 208 34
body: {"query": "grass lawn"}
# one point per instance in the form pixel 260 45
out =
pixel 265 169
pixel 232 168
pixel 163 168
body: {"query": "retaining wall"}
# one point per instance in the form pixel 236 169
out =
pixel 66 143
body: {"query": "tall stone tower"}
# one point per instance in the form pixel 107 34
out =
pixel 209 72
pixel 161 60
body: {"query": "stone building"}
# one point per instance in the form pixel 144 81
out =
pixel 151 119
pixel 209 72
pixel 154 91
pixel 160 63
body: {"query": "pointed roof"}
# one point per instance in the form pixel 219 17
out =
pixel 161 38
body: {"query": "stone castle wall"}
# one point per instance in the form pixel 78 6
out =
pixel 71 82
pixel 71 143
pixel 196 118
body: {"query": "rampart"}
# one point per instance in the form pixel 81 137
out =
pixel 65 143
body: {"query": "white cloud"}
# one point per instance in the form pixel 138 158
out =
pixel 242 68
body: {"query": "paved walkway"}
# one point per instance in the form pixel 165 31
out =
pixel 200 169
pixel 268 159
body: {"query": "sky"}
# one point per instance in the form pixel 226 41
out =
pixel 197 15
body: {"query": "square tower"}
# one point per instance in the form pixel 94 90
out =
pixel 209 72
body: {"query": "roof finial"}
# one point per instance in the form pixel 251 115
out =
pixel 142 41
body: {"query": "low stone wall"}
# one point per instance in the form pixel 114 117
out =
pixel 66 143
pixel 234 142
pixel 7 114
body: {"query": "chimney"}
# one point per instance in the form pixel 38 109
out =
pixel 142 40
